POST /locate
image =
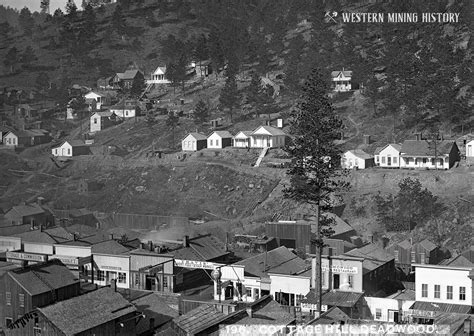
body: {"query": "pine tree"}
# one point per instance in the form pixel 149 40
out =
pixel 118 21
pixel 314 173
pixel 172 122
pixel 229 98
pixel 26 21
pixel 201 112
pixel 253 91
pixel 90 24
pixel 71 9
pixel 28 56
pixel 11 59
pixel 138 85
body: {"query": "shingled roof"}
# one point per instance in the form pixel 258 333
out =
pixel 360 154
pixel 199 319
pixel 41 278
pixel 87 311
pixel 424 148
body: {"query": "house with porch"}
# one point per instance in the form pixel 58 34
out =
pixel 126 109
pixel 99 99
pixel 194 142
pixel 267 136
pixel 70 148
pixel 219 139
pixel 158 76
pixel 356 158
pixel 388 156
pixel 341 80
pixel 242 139
pixel 436 154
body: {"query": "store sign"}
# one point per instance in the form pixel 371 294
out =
pixel 340 269
pixel 195 264
pixel 115 268
pixel 27 256
pixel 421 313
pixel 67 260
pixel 313 306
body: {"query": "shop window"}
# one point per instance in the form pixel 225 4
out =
pixel 437 291
pixel 248 292
pixel 122 277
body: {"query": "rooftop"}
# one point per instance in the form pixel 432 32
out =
pixel 279 261
pixel 268 130
pixel 87 311
pixel 47 236
pixel 374 256
pixel 406 294
pixel 199 319
pixel 398 147
pixel 26 210
pixel 153 306
pixel 360 154
pixel 222 134
pixel 346 73
pixel 41 278
pixel 109 247
pixel 197 136
pixel 424 148
pixel 335 298
pixel 332 315
pixel 201 248
pixel 267 311
pixel 442 307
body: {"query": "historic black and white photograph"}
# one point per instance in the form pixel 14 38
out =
pixel 236 167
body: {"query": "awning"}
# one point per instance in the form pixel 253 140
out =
pixel 430 309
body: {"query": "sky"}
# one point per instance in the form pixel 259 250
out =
pixel 34 5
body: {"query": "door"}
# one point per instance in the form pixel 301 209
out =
pixel 389 160
pixel 336 281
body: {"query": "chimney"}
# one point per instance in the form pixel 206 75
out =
pixel 418 136
pixel 150 246
pixel 313 273
pixel 152 323
pixel 113 284
pixel 366 139
pixel 249 311
pixel 186 241
pixel 280 123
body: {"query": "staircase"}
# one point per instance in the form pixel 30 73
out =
pixel 261 156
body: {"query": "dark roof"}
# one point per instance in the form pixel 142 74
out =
pixel 48 236
pixel 129 74
pixel 428 245
pixel 42 277
pixel 87 311
pixel 27 210
pixel 109 247
pixel 222 134
pixel 377 151
pixel 335 298
pixel 442 307
pixel 280 261
pixel 75 143
pixel 406 294
pixel 267 311
pixel 270 129
pixel 374 256
pixel 199 319
pixel 333 314
pixel 197 136
pixel 153 306
pixel 208 247
pixel 422 148
pixel 360 154
pixel 346 73
pixel 459 261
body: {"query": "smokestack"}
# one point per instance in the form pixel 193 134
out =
pixel 313 273
pixel 150 246
pixel 186 241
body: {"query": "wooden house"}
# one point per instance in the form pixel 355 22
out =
pixel 388 156
pixel 341 80
pixel 102 120
pixel 407 253
pixel 125 79
pixel 470 151
pixel 158 76
pixel 126 109
pixel 99 99
pixel 26 138
pixel 25 289
pixel 71 148
pixel 219 139
pixel 194 142
pixel 356 158
pixel 32 214
pixel 242 139
pixel 267 136
pixel 438 154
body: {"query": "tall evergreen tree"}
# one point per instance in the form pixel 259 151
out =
pixel 71 9
pixel 11 59
pixel 138 85
pixel 229 98
pixel 26 21
pixel 314 173
pixel 201 112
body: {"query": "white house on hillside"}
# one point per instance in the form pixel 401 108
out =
pixel 99 98
pixel 267 136
pixel 341 80
pixel 470 150
pixel 388 156
pixel 219 139
pixel 158 76
pixel 101 120
pixel 242 139
pixel 194 142
pixel 71 148
pixel 125 109
pixel 356 158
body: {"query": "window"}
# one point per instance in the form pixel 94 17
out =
pixel 21 299
pixel 383 159
pixel 424 290
pixel 395 160
pixel 323 279
pixel 211 142
pixel 433 162
pixel 248 292
pixel 36 331
pixel 396 256
pixel 298 298
pixel 8 298
pixel 122 277
pixel 441 162
pixel 95 120
pixel 449 292
pixel 350 279
pixel 376 158
pixel 217 142
pixel 126 113
pixel 165 282
pixel 422 258
pixel 69 151
pixel 56 151
pixel 424 160
pixel 413 257
pixel 378 313
pixel 437 291
pixel 100 275
pixel 8 321
pixel 462 293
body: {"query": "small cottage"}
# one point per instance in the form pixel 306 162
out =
pixel 438 154
pixel 341 80
pixel 158 76
pixel 26 138
pixel 356 158
pixel 388 156
pixel 470 151
pixel 194 142
pixel 242 139
pixel 219 139
pixel 102 120
pixel 126 109
pixel 99 99
pixel 71 148
pixel 267 136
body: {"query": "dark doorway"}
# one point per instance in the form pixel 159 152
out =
pixel 336 281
